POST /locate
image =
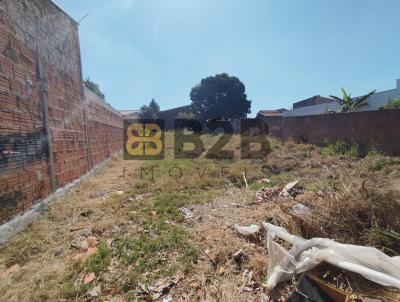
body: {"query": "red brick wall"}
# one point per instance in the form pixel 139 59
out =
pixel 67 124
pixel 24 174
pixel 31 32
pixel 105 128
pixel 368 129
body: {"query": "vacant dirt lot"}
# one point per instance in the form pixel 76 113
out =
pixel 171 234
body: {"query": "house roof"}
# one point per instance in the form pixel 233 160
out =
pixel 315 100
pixel 183 108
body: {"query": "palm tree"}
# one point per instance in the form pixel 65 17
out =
pixel 348 104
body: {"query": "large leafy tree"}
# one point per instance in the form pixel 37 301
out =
pixel 348 104
pixel 220 97
pixel 150 111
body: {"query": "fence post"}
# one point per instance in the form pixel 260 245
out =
pixel 46 121
pixel 85 118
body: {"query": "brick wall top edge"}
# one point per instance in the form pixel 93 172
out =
pixel 91 97
pixel 63 11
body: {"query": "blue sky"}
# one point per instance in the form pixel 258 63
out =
pixel 282 50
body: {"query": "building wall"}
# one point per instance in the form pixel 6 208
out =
pixel 367 129
pixel 312 110
pixel 45 33
pixel 382 98
pixel 169 115
pixel 24 172
pixel 39 65
pixel 375 102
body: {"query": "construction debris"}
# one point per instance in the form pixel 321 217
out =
pixel 82 231
pixel 309 289
pixel 89 278
pixel 84 245
pixel 91 251
pixel 92 241
pixel 267 194
pixel 251 230
pixel 336 294
pixel 264 180
pixel 288 188
pixel 187 213
pixel 77 242
pixel 95 292
pixel 306 254
pixel 161 288
pixel 300 210
pixel 238 255
pixel 80 241
pixel 249 285
pixel 167 299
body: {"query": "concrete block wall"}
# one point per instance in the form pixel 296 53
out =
pixel 40 64
pixel 368 129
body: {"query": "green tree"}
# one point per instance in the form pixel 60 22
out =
pixel 150 111
pixel 220 97
pixel 348 104
pixel 393 104
pixel 94 87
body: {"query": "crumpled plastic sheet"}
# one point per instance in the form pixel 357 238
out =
pixel 304 255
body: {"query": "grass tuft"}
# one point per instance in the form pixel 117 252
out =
pixel 100 260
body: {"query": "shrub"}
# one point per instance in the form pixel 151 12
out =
pixel 342 148
pixel 393 104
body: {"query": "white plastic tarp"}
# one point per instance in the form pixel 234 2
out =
pixel 306 254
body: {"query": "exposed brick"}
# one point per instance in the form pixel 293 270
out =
pixel 24 177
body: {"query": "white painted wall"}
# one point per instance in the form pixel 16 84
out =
pixel 380 99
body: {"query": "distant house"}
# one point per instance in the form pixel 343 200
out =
pixel 268 113
pixel 130 114
pixel 382 98
pixel 313 109
pixel 169 115
pixel 315 100
pixel 320 105
pixel 174 112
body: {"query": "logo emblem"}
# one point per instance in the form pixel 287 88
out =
pixel 144 139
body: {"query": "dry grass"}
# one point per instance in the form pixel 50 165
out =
pixel 147 239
